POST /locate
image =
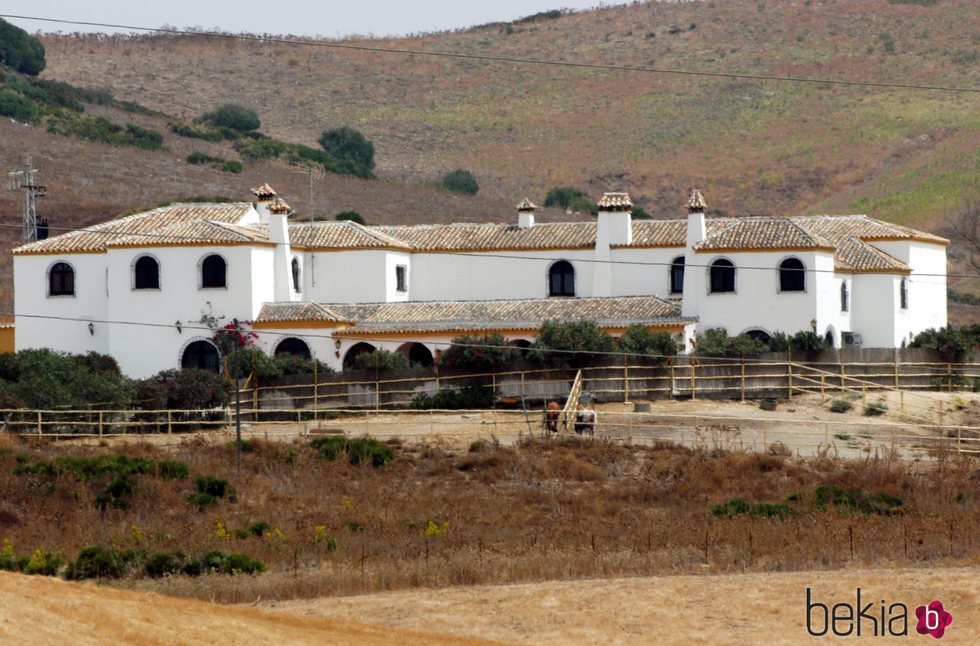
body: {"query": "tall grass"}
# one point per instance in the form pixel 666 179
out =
pixel 434 516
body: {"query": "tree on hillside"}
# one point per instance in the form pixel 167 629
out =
pixel 460 181
pixel 19 50
pixel 233 116
pixel 352 216
pixel 570 198
pixel 349 145
pixel 967 225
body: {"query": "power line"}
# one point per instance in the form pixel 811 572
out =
pixel 164 238
pixel 501 59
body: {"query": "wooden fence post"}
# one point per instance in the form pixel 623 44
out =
pixel 100 423
pixel 949 376
pixel 940 415
pixel 39 423
pixel 694 384
pixel 170 427
pixel 895 357
pixel 626 378
pixel 789 371
pixel 670 380
pixel 742 363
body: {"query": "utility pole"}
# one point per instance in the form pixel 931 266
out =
pixel 25 180
pixel 314 171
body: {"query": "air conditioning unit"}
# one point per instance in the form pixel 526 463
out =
pixel 851 338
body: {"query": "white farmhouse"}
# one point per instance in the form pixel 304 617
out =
pixel 138 287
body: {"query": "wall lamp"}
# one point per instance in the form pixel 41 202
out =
pixel 179 326
pixel 91 328
pixel 336 343
pixel 813 324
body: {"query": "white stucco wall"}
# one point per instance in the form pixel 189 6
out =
pixel 143 350
pixel 757 302
pixel 358 276
pixel 520 274
pixel 651 278
pixel 32 303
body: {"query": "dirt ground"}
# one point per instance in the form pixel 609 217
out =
pixel 805 425
pixel 735 609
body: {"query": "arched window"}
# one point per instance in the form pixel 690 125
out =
pixel 722 276
pixel 296 275
pixel 214 272
pixel 293 346
pixel 354 351
pixel 845 297
pixel 792 275
pixel 61 280
pixel 146 273
pixel 759 335
pixel 561 279
pixel 202 355
pixel 829 339
pixel 677 275
pixel 903 294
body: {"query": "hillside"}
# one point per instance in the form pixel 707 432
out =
pixel 908 156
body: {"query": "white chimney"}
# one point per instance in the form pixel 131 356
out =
pixel 525 214
pixel 615 219
pixel 615 227
pixel 264 195
pixel 278 213
pixel 696 228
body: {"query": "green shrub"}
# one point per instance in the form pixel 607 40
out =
pixel 562 196
pixel 360 450
pixel 866 502
pixel 231 166
pixel 473 397
pixel 116 494
pixel 840 406
pixel 43 563
pixel 641 340
pixel 172 470
pixel 219 562
pixel 17 107
pixel 807 342
pixel 187 390
pixel 234 117
pixel 874 409
pixel 217 487
pixel 259 149
pixel 102 563
pixel 197 132
pixel 460 181
pixel 737 506
pixel 163 564
pixel 351 216
pixel 716 343
pixel 47 379
pixel 566 344
pixel 954 344
pixel 201 500
pixel 347 144
pixel 489 352
pixel 19 50
pixel 381 360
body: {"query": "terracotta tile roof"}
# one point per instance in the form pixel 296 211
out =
pixel 342 235
pixel 435 316
pixel 279 205
pixel 95 238
pixel 863 227
pixel 489 237
pixel 526 205
pixel 760 233
pixel 659 233
pixel 615 202
pixel 305 311
pixel 696 201
pixel 194 231
pixel 264 192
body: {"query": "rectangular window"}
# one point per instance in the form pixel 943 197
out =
pixel 401 278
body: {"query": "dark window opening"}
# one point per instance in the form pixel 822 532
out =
pixel 677 275
pixel 401 278
pixel 759 335
pixel 903 294
pixel 146 274
pixel 214 272
pixel 561 279
pixel 829 339
pixel 201 355
pixel 295 267
pixel 294 347
pixel 722 276
pixel 61 280
pixel 354 351
pixel 845 299
pixel 792 275
pixel 417 354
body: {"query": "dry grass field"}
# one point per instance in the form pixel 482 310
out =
pixel 734 609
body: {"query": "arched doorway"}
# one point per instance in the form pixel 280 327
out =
pixel 202 355
pixel 354 351
pixel 416 353
pixel 759 335
pixel 521 344
pixel 294 347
